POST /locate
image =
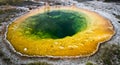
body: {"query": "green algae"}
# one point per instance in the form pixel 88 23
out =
pixel 54 24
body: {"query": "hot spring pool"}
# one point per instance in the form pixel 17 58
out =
pixel 59 32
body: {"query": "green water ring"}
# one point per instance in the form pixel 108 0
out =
pixel 54 24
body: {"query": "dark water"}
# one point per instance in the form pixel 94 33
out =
pixel 55 24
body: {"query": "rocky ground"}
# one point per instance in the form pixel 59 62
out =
pixel 108 53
